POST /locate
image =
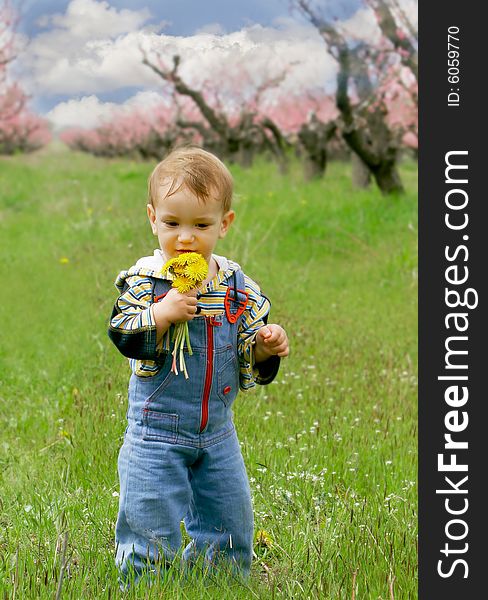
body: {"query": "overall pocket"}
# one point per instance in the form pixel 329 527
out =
pixel 151 409
pixel 150 388
pixel 159 427
pixel 228 379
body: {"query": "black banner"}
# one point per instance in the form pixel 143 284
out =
pixel 453 244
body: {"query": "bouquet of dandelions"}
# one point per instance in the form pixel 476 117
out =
pixel 189 269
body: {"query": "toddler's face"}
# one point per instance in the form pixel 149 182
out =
pixel 183 223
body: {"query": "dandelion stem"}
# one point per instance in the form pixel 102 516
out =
pixel 187 337
pixel 173 365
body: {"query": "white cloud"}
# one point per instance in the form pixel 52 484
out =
pixel 88 112
pixel 89 49
pixel 212 28
pixel 410 10
pixel 89 19
pixel 254 55
pixel 362 26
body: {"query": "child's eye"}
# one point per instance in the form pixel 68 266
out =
pixel 171 223
pixel 202 225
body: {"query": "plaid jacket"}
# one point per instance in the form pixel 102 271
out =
pixel 133 329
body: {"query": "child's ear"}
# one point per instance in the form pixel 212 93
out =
pixel 226 222
pixel 151 214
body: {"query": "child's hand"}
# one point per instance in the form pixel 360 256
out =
pixel 270 340
pixel 176 307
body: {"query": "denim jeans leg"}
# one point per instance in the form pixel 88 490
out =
pixel 220 519
pixel 154 497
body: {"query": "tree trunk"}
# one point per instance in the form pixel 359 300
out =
pixel 388 178
pixel 361 175
pixel 377 152
pixel 313 137
pixel 283 166
pixel 276 144
pixel 314 165
pixel 245 156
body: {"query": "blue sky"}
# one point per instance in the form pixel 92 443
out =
pixel 184 16
pixel 187 16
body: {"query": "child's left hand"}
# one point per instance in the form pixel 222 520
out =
pixel 270 340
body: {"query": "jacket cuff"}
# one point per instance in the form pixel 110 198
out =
pixel 137 343
pixel 266 371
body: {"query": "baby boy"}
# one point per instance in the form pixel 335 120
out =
pixel 181 458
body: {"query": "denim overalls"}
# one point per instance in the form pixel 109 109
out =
pixel 181 458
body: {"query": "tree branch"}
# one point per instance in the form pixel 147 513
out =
pixel 401 42
pixel 182 88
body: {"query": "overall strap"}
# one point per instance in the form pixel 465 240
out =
pixel 159 289
pixel 236 296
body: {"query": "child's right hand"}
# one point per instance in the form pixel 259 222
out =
pixel 176 307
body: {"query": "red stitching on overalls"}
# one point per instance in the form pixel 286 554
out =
pixel 211 322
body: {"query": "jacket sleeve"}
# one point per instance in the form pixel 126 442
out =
pixel 132 327
pixel 255 317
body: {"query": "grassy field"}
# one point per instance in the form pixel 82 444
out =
pixel 330 446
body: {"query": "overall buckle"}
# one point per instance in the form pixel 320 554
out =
pixel 241 304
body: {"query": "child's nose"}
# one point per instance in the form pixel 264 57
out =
pixel 185 235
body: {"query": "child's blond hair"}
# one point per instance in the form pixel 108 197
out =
pixel 200 171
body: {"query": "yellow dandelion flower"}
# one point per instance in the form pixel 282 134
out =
pixel 263 539
pixel 189 258
pixel 182 260
pixel 178 269
pixel 64 260
pixel 197 271
pixel 182 284
pixel 189 266
pixel 168 265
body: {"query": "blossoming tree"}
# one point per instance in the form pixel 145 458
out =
pixel 20 129
pixel 138 133
pixel 364 76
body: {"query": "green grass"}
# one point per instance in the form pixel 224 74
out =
pixel 330 446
